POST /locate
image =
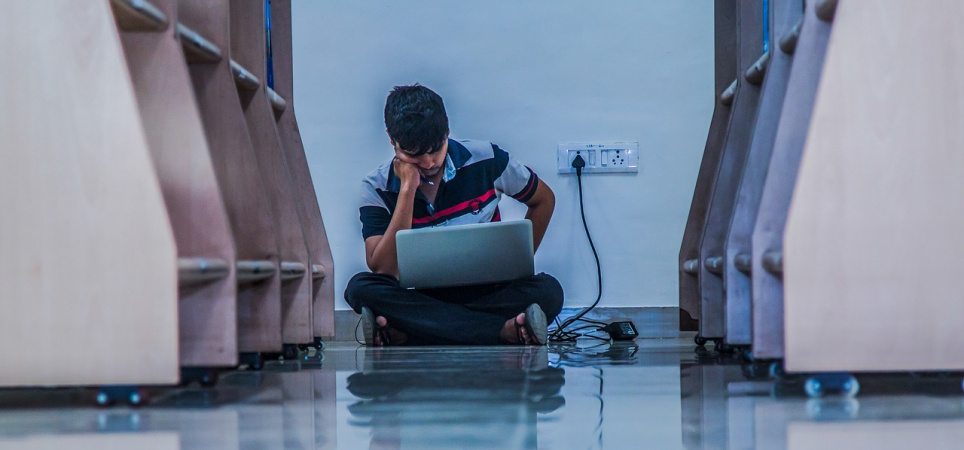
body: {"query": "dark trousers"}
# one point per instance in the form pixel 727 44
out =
pixel 455 315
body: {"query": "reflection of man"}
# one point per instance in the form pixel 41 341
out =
pixel 437 181
pixel 494 406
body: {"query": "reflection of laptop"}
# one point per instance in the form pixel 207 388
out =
pixel 465 254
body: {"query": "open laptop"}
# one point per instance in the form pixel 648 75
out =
pixel 463 255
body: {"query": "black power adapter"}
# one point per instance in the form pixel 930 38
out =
pixel 621 331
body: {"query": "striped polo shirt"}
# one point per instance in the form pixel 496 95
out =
pixel 477 173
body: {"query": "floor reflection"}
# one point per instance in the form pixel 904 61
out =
pixel 732 403
pixel 489 401
pixel 644 394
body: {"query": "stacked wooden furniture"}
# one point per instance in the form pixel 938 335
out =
pixel 745 101
pixel 207 305
pixel 88 258
pixel 722 271
pixel 319 252
pixel 739 266
pixel 840 246
pixel 689 256
pixel 169 221
pixel 204 31
pixel 248 56
pixel 873 235
pixel 785 17
pixel 741 66
pixel 767 240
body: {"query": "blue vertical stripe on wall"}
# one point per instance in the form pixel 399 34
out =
pixel 766 25
pixel 267 34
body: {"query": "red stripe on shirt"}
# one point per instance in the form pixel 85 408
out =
pixel 453 209
pixel 530 187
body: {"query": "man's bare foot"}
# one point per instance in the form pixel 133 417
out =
pixel 516 332
pixel 387 335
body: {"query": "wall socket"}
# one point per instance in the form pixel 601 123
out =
pixel 600 157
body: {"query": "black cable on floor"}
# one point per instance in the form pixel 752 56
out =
pixel 561 334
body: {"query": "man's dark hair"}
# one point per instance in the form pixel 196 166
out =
pixel 415 119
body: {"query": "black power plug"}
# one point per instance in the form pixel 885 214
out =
pixel 621 331
pixel 578 163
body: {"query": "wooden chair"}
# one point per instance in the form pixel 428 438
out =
pixel 204 27
pixel 259 103
pixel 88 257
pixel 786 17
pixel 767 239
pixel 207 304
pixel 746 99
pixel 689 255
pixel 322 265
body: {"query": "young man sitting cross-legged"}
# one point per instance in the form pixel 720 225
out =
pixel 436 181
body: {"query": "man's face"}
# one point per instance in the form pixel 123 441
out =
pixel 429 164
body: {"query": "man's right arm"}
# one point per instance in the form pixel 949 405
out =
pixel 380 251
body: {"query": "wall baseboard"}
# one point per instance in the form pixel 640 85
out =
pixel 650 321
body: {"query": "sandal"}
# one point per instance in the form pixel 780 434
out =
pixel 535 325
pixel 370 328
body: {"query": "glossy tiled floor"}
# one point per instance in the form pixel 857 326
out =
pixel 654 394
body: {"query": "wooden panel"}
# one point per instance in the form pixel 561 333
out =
pixel 87 255
pixel 872 267
pixel 207 312
pixel 249 48
pixel 785 14
pixel 323 289
pixel 778 188
pixel 725 41
pixel 236 166
pixel 749 49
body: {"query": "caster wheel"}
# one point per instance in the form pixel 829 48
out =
pixel 776 369
pixel 104 399
pixel 209 379
pixel 109 396
pixel 290 351
pixel 747 355
pixel 257 364
pixel 136 398
pixel 820 385
pixel 755 371
pixel 319 344
pixel 204 376
pixel 254 361
pixel 851 387
pixel 723 347
pixel 699 340
pixel 813 387
pixel 315 358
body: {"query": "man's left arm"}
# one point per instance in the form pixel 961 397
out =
pixel 541 205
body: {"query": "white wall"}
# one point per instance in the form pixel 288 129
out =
pixel 526 75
